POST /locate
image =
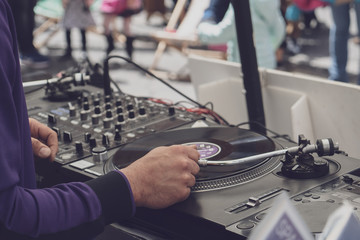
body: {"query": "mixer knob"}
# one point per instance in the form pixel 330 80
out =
pixel 108 106
pixel 171 111
pixel 86 106
pixel 130 107
pixel 105 140
pixel 97 110
pixel 118 103
pixel 87 137
pixel 100 155
pixel 67 136
pixel 119 110
pixel 107 123
pixel 97 102
pixel 120 118
pixel 79 101
pixel 118 126
pixel 95 119
pixel 86 99
pixel 92 142
pixel 117 136
pixel 83 115
pixel 142 111
pixel 79 148
pixel 108 114
pixel 72 111
pixel 107 98
pixel 57 130
pixel 51 118
pixel 131 114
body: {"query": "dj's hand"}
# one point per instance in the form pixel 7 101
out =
pixel 44 140
pixel 163 176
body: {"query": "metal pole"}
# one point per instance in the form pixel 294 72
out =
pixel 249 65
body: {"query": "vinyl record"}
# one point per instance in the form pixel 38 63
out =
pixel 214 143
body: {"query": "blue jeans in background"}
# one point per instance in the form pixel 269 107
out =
pixel 338 40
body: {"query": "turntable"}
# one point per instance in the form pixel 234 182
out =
pixel 241 174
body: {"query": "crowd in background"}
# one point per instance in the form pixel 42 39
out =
pixel 277 26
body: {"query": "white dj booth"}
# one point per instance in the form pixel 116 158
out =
pixel 293 103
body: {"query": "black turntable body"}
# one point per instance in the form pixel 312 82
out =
pixel 234 191
pixel 230 203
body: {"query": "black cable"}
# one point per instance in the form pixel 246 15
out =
pixel 154 76
pixel 116 86
pixel 106 63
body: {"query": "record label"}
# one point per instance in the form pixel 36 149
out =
pixel 206 149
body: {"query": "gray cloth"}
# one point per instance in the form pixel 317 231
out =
pixel 77 15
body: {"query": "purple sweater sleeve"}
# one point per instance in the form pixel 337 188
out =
pixel 24 209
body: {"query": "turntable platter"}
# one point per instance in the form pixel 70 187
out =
pixel 214 143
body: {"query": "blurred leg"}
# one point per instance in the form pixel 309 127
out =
pixel 357 11
pixel 338 42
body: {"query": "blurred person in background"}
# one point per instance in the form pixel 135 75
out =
pixel 268 28
pixel 24 16
pixel 299 11
pixel 123 8
pixel 77 14
pixel 216 11
pixel 339 36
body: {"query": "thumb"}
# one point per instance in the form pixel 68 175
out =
pixel 40 149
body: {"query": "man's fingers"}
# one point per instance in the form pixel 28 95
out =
pixel 40 149
pixel 193 153
pixel 194 167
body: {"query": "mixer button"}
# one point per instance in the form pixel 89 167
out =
pixel 315 197
pixel 105 140
pixel 87 137
pixel 67 136
pixel 297 199
pixel 57 130
pixel 245 225
pixel 117 136
pixel 171 111
pixel 260 216
pixel 307 194
pixel 99 155
pixel 51 118
pixel 92 142
pixel 79 148
pixel 82 164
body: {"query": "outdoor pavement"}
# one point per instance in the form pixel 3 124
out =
pixel 312 60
